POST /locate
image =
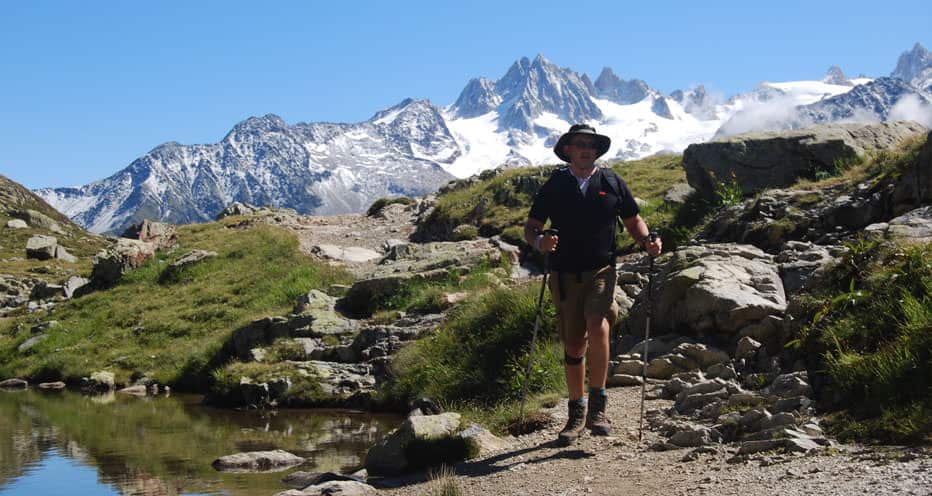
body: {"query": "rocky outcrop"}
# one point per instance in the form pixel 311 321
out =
pixel 719 292
pixel 831 214
pixel 914 226
pixel 43 247
pixel 162 235
pixel 124 256
pixel 37 220
pixel 758 161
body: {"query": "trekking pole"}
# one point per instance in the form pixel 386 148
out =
pixel 540 302
pixel 650 310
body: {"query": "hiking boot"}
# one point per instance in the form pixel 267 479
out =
pixel 574 424
pixel 596 420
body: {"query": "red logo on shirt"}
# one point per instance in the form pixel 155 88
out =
pixel 601 193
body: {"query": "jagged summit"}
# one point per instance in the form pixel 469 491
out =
pixel 611 87
pixel 915 67
pixel 836 76
pixel 413 147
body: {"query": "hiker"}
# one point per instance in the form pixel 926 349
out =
pixel 582 202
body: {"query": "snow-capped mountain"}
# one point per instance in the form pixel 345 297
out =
pixel 320 168
pixel 414 147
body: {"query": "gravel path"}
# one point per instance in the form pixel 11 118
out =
pixel 619 465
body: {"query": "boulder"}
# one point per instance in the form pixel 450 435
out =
pixel 76 286
pixel 236 208
pixel 679 193
pixel 44 290
pixel 191 258
pixel 99 382
pixel 758 161
pixel 31 342
pixel 37 220
pixel 481 441
pixel 914 226
pixel 52 386
pixel 160 234
pixel 695 435
pixel 124 256
pixel 16 224
pixel 415 438
pixel 790 385
pixel 41 247
pixel 713 290
pixel 14 384
pixel 342 488
pixel 257 461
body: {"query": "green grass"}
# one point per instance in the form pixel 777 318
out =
pixel 478 357
pixel 381 203
pixel 870 337
pixel 171 329
pixel 420 296
pixel 500 204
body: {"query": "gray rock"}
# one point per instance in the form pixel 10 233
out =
pixel 31 342
pixel 76 286
pixel 388 456
pixel 751 447
pixel 721 371
pixel 661 368
pixel 759 161
pixel 236 208
pixel 342 488
pixel 57 385
pixel 704 355
pixel 257 461
pixel 122 257
pixel 191 258
pixel 777 420
pixel 718 288
pixel 17 224
pixel 696 435
pixel 99 382
pixel 353 254
pixel 44 290
pixel 481 440
pixel 623 380
pixel 160 234
pixel 790 385
pixel 37 220
pixel 629 367
pixel 14 384
pixel 679 193
pixel 41 247
pixel 914 226
pixel 747 348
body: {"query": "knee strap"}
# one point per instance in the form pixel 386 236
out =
pixel 571 360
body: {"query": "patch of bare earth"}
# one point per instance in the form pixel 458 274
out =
pixel 620 465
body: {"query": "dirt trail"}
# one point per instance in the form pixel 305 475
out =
pixel 619 465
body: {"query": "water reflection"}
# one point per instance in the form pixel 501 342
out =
pixel 164 446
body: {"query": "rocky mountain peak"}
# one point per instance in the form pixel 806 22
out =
pixel 477 98
pixel 611 87
pixel 836 76
pixel 530 88
pixel 915 67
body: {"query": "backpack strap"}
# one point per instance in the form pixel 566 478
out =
pixel 611 180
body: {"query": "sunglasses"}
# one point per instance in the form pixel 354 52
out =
pixel 591 145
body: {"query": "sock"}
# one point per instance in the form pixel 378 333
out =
pixel 578 402
pixel 598 391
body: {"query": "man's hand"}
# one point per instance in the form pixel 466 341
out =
pixel 653 245
pixel 547 242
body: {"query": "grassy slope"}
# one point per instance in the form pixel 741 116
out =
pixel 170 331
pixel 501 204
pixel 76 240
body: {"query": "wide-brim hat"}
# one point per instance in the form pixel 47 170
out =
pixel 603 142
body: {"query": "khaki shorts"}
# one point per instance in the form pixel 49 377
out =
pixel 592 294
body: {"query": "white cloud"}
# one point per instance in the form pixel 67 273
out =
pixel 912 108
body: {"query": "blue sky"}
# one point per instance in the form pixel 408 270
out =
pixel 87 87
